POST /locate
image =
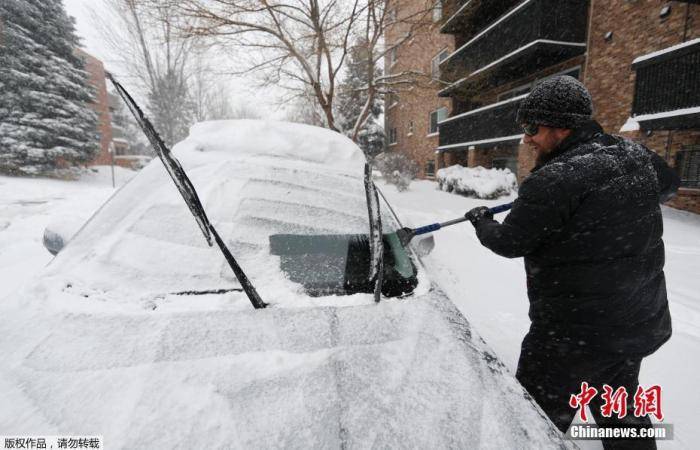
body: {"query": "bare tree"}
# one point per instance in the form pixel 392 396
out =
pixel 302 45
pixel 157 57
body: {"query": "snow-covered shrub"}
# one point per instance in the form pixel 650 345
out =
pixel 396 169
pixel 477 182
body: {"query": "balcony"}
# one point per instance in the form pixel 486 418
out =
pixel 467 17
pixel 667 88
pixel 532 36
pixel 486 126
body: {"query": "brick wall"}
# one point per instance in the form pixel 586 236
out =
pixel 637 30
pixel 415 103
pixel 96 71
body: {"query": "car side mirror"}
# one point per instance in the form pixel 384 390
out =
pixel 424 246
pixel 59 231
pixel 53 242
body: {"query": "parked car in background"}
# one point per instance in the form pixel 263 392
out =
pixel 139 332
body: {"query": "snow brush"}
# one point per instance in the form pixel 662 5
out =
pixel 406 234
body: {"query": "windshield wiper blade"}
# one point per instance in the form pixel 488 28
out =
pixel 184 185
pixel 376 243
pixel 208 292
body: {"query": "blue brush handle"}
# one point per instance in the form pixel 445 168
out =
pixel 437 226
pixel 427 229
pixel 501 208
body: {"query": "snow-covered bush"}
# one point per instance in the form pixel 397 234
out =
pixel 477 182
pixel 396 169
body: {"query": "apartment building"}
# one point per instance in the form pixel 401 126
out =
pixel 114 147
pixel 412 113
pixel 96 77
pixel 639 58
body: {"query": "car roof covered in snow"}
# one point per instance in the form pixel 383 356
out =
pixel 98 344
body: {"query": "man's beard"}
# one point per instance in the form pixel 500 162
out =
pixel 540 156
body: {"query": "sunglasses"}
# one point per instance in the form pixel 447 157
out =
pixel 530 129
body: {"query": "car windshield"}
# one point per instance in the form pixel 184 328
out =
pixel 340 263
pixel 287 200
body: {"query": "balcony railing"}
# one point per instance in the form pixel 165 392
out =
pixel 534 35
pixel 486 126
pixel 466 17
pixel 667 88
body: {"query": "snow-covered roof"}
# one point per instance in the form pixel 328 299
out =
pixel 241 138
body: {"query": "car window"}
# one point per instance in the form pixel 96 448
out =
pixel 339 263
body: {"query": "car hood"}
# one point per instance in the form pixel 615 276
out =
pixel 400 373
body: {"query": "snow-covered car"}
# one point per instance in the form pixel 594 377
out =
pixel 139 332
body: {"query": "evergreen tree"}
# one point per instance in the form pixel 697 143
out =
pixel 45 118
pixel 352 98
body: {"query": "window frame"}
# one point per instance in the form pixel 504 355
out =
pixel 438 10
pixel 391 15
pixel 393 55
pixel 429 164
pixel 393 136
pixel 435 63
pixel 684 163
pixel 437 120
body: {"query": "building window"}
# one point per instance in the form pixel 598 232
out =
pixel 524 89
pixel 437 10
pixel 391 100
pixel 392 136
pixel 391 15
pixel 435 63
pixel 506 163
pixel 430 168
pixel 393 55
pixel 688 166
pixel 436 117
pixel 520 90
pixel 575 72
pixel 410 127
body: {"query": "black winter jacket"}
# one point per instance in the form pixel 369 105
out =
pixel 588 222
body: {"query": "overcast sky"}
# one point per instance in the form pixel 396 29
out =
pixel 242 89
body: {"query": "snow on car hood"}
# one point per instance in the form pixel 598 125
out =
pixel 394 375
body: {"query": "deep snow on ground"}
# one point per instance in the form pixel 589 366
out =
pixel 490 291
pixel 29 205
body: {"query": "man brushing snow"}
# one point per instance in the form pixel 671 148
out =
pixel 588 222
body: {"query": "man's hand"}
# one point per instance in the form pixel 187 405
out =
pixel 478 213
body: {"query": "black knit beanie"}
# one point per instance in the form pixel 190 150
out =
pixel 558 102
